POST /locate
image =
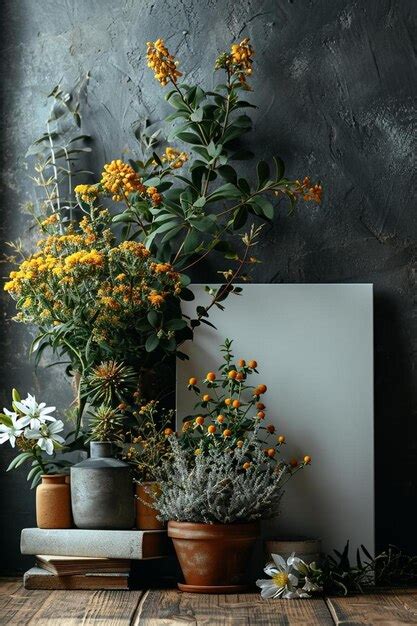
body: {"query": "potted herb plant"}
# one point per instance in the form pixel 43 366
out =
pixel 147 452
pixel 225 475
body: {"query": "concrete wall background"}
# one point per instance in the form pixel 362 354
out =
pixel 335 81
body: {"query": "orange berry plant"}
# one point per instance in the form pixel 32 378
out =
pixel 230 413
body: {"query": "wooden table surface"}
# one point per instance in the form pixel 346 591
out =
pixel 171 608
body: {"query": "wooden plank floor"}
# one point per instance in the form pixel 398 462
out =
pixel 172 608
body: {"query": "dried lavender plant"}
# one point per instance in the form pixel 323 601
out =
pixel 221 486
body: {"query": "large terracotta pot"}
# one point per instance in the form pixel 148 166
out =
pixel 146 515
pixel 53 502
pixel 214 558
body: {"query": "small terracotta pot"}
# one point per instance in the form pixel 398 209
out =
pixel 145 515
pixel 53 502
pixel 214 558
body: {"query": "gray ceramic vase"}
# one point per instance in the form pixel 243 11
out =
pixel 102 491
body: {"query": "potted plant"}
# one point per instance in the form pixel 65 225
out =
pixel 34 431
pixel 225 475
pixel 147 452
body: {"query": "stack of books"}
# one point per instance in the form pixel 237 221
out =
pixel 88 559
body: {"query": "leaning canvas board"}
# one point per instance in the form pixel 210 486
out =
pixel 314 347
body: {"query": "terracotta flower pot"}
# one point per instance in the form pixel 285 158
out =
pixel 53 502
pixel 145 515
pixel 214 558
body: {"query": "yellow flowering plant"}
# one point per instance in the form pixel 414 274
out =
pixel 106 281
pixel 185 203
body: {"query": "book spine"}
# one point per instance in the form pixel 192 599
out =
pixel 88 543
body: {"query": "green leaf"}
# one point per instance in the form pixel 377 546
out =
pixel 265 207
pixel 172 233
pixel 186 294
pixel 280 167
pixel 225 191
pixel 242 104
pixel 191 241
pixel 243 121
pixel 152 182
pixel 240 217
pixel 153 318
pixel 197 115
pixel 152 343
pixel 191 138
pixel 228 173
pixel 200 202
pixel 263 173
pixel 126 217
pixel 176 324
pixel 18 460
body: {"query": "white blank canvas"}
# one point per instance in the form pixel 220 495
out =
pixel 314 348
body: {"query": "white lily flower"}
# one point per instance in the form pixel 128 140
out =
pixel 11 432
pixel 35 414
pixel 283 582
pixel 47 435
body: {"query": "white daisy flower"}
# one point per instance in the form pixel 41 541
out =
pixel 47 435
pixel 35 414
pixel 283 582
pixel 9 432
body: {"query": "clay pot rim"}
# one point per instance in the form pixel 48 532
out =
pixel 214 524
pixel 54 475
pixel 251 528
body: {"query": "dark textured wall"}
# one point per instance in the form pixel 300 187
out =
pixel 335 82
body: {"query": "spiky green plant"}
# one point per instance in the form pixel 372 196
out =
pixel 110 383
pixel 106 424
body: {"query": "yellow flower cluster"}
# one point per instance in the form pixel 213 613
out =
pixel 50 220
pixel 156 197
pixel 241 55
pixel 135 248
pixel 87 193
pixel 174 157
pixel 238 62
pixel 162 62
pixel 120 179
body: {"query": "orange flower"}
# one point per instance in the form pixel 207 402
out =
pixel 156 299
pixel 211 376
pixel 241 363
pixel 252 364
pixel 307 459
pixel 232 374
pixel 168 432
pixel 206 398
pixel 281 439
pixel 227 432
pixel 199 420
pixel 271 429
pixel 192 381
pixel 220 419
pixel 246 465
pixel 236 404
pixel 211 429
